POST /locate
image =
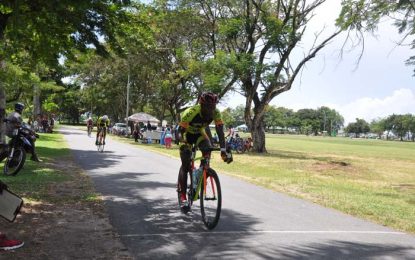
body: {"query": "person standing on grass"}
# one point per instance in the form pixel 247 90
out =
pixel 168 138
pixel 5 243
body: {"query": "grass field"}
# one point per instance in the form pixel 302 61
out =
pixel 33 182
pixel 371 179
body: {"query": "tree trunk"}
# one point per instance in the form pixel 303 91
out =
pixel 36 101
pixel 2 115
pixel 2 109
pixel 258 135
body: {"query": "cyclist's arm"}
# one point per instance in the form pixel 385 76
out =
pixel 181 130
pixel 219 128
pixel 221 135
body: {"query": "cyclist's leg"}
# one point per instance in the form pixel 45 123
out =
pixel 105 134
pixel 98 132
pixel 204 144
pixel 185 156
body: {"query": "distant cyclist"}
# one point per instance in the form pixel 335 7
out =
pixel 192 130
pixel 89 125
pixel 102 125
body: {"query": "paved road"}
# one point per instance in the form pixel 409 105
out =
pixel 139 189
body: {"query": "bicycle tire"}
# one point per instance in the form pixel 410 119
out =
pixel 13 167
pixel 189 191
pixel 212 198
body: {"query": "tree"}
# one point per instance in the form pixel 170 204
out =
pixel 228 117
pixel 309 121
pixel 358 127
pixel 260 37
pixel 330 120
pixel 33 31
pixel 378 126
pixel 277 116
pixel 366 15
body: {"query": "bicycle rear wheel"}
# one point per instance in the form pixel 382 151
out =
pixel 13 165
pixel 211 199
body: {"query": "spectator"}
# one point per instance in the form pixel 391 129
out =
pixel 5 243
pixel 168 138
pixel 37 123
pixel 162 134
pixel 215 138
pixel 137 132
pixel 52 123
pixel 148 126
pixel 231 134
pixel 45 124
pixel 131 124
pixel 30 122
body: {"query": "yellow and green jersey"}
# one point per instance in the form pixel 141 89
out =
pixel 103 123
pixel 194 123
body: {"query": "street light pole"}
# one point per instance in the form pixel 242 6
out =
pixel 128 95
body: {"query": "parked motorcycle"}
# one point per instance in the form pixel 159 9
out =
pixel 18 146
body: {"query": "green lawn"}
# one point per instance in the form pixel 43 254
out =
pixel 35 180
pixel 371 179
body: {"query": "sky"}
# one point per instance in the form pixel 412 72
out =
pixel 379 86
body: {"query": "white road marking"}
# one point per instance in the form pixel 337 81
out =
pixel 270 232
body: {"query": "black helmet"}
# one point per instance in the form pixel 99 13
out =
pixel 208 98
pixel 19 107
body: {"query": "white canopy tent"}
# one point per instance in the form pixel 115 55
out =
pixel 143 117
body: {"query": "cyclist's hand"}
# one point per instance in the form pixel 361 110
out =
pixel 226 155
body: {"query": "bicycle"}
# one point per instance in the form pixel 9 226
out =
pixel 100 145
pixel 206 188
pixel 89 131
pixel 237 144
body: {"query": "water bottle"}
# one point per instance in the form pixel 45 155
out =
pixel 196 175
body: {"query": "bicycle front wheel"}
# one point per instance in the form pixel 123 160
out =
pixel 210 199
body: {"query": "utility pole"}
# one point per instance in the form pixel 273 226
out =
pixel 128 95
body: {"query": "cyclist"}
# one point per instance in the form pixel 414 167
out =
pixel 102 125
pixel 89 124
pixel 192 130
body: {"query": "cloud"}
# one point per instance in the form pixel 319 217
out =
pixel 402 101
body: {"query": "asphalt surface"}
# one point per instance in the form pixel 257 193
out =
pixel 139 188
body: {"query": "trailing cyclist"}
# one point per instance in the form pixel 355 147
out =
pixel 102 125
pixel 89 125
pixel 192 130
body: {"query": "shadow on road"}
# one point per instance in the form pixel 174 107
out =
pixel 335 249
pixel 152 227
pixel 96 160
